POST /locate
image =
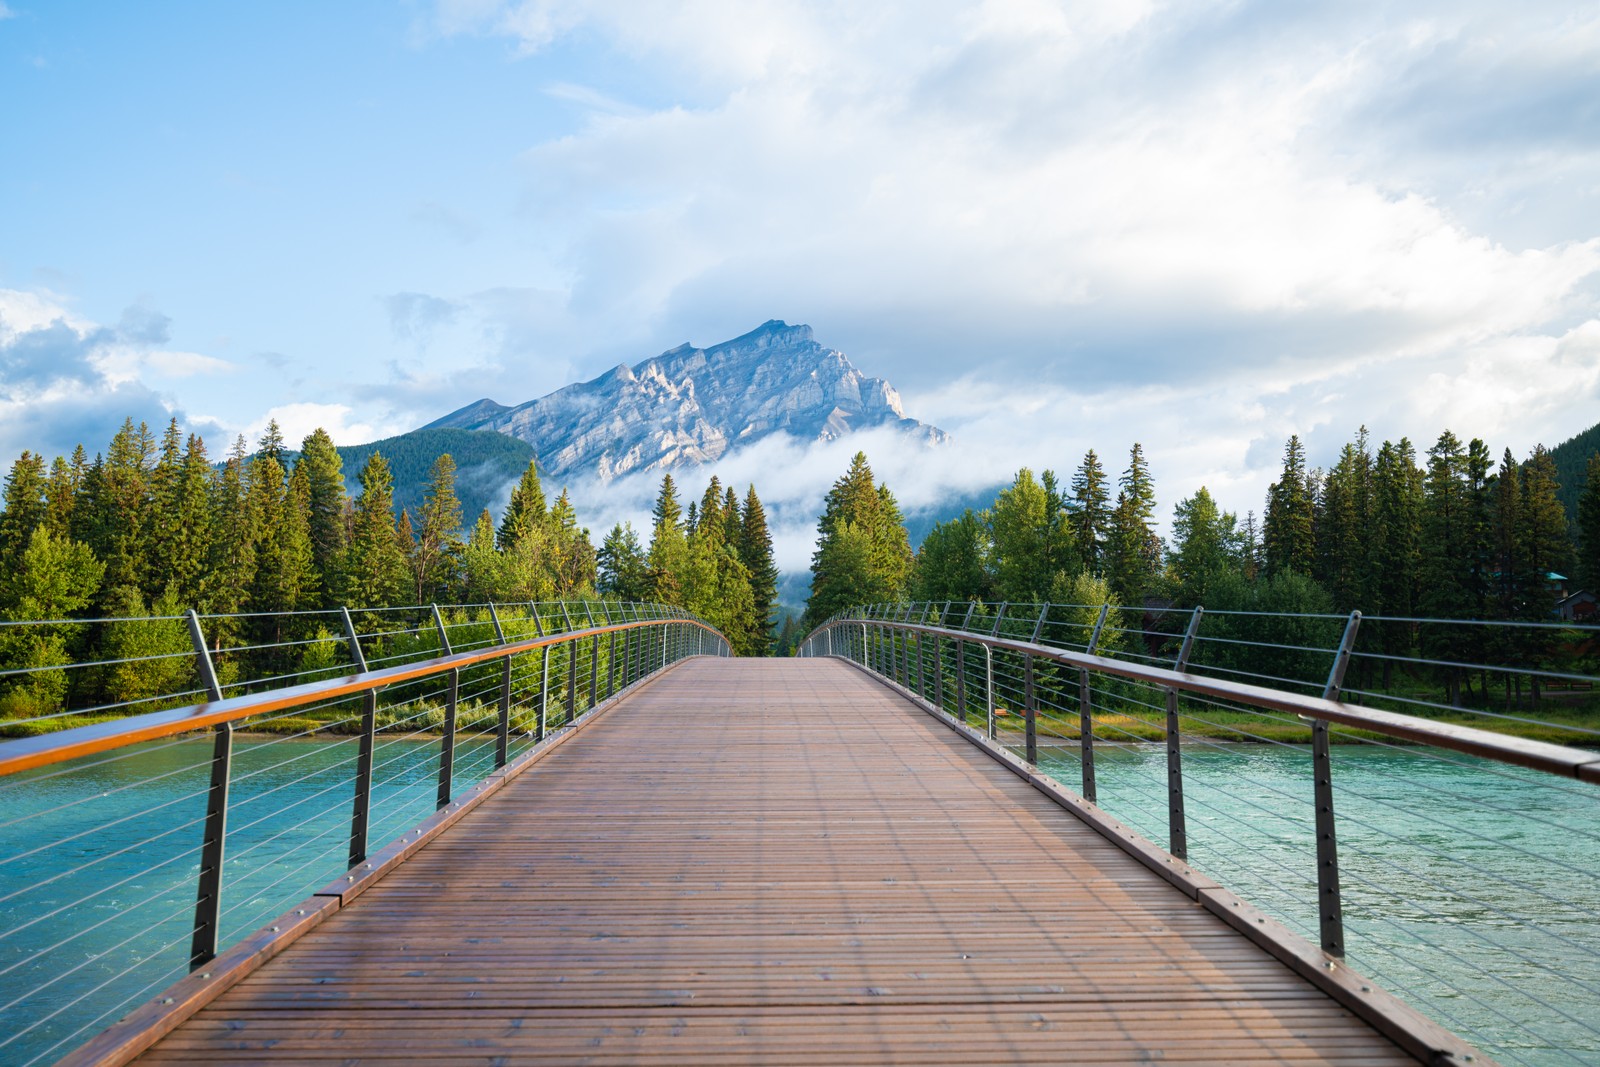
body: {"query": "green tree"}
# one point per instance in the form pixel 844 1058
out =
pixel 375 566
pixel 1288 530
pixel 1091 512
pixel 1344 529
pixel 1133 552
pixel 624 570
pixel 1203 538
pixel 25 509
pixel 61 494
pixel 483 571
pixel 180 519
pixel 326 521
pixel 1589 528
pixel 435 559
pixel 117 496
pixel 1546 548
pixel 669 547
pixel 526 510
pixel 873 514
pixel 755 551
pixel 53 578
pixel 951 562
pixel 1019 530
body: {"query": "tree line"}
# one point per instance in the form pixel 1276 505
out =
pixel 1449 535
pixel 152 527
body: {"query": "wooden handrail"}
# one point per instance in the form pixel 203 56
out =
pixel 1536 755
pixel 24 753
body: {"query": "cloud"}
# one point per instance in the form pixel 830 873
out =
pixel 414 316
pixel 1057 226
pixel 65 380
pixel 296 421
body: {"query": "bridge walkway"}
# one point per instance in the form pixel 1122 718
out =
pixel 775 861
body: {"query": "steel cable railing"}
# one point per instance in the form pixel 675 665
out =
pixel 1387 788
pixel 137 845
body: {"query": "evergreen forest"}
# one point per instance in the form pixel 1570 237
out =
pixel 152 528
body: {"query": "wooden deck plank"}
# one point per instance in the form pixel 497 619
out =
pixel 772 861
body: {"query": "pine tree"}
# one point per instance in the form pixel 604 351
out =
pixel 1133 551
pixel 873 517
pixel 526 511
pixel 1019 530
pixel 1546 549
pixel 482 569
pixel 374 568
pixel 1060 546
pixel 732 520
pixel 1202 538
pixel 1510 576
pixel 51 579
pixel 25 509
pixel 1091 512
pixel 61 497
pixel 755 551
pixel 1589 528
pixel 271 444
pixel 1396 543
pixel 1288 528
pixel 117 501
pixel 951 562
pixel 669 548
pixel 435 559
pixel 1343 529
pixel 285 578
pixel 624 571
pixel 231 559
pixel 327 520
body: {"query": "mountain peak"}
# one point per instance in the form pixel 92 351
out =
pixel 690 406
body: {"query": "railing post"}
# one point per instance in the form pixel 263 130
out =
pixel 961 680
pixel 1038 627
pixel 594 670
pixel 502 734
pixel 357 657
pixel 966 623
pixel 208 891
pixel 1177 824
pixel 361 807
pixel 1029 712
pixel 447 745
pixel 611 665
pixel 360 813
pixel 1330 910
pixel 572 678
pixel 444 636
pixel 938 669
pixel 1086 712
pixel 988 686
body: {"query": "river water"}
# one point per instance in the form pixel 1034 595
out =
pixel 1469 890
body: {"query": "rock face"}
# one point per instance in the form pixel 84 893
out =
pixel 690 406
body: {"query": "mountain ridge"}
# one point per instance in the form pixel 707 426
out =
pixel 690 406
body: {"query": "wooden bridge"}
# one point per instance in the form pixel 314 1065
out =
pixel 777 861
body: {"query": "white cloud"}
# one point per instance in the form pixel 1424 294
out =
pixel 296 421
pixel 1062 225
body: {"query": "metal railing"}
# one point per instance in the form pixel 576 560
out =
pixel 137 846
pixel 1208 719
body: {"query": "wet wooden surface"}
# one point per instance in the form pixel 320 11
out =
pixel 773 861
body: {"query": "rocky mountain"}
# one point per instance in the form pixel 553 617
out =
pixel 690 405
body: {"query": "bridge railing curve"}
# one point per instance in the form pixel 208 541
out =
pixel 1466 880
pixel 140 845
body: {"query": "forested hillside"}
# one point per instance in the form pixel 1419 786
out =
pixel 485 463
pixel 152 528
pixel 1455 533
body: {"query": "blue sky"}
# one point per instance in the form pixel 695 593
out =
pixel 1052 225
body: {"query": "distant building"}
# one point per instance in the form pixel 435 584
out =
pixel 1579 607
